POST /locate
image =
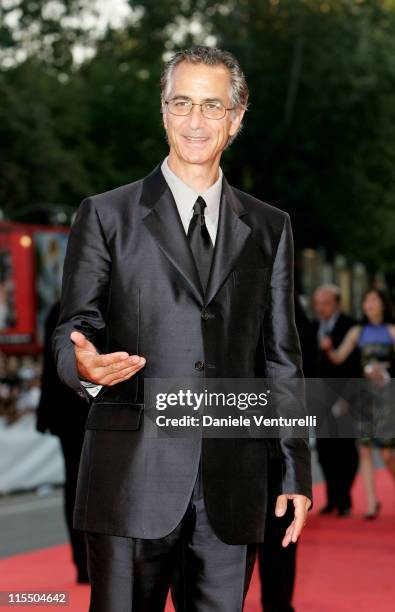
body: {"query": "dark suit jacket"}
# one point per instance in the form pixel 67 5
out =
pixel 130 283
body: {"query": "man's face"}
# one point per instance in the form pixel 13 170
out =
pixel 193 139
pixel 325 304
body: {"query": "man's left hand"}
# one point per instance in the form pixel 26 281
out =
pixel 301 505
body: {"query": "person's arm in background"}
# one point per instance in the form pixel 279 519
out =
pixel 391 329
pixel 339 355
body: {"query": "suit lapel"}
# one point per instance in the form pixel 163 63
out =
pixel 163 222
pixel 232 235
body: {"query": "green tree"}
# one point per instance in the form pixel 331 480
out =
pixel 45 30
pixel 319 135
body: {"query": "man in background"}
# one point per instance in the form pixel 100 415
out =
pixel 338 457
pixel 63 414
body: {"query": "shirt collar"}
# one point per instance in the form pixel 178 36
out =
pixel 329 324
pixel 185 196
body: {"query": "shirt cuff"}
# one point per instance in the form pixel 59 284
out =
pixel 91 388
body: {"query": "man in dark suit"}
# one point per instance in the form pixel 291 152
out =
pixel 179 275
pixel 63 414
pixel 338 456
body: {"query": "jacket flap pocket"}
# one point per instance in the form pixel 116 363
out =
pixel 113 416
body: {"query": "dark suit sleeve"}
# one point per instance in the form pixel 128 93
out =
pixel 86 280
pixel 283 361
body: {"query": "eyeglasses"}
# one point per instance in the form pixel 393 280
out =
pixel 210 110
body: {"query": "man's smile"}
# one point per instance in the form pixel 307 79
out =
pixel 196 139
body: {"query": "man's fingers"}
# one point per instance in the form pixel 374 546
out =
pixel 113 358
pixel 281 505
pixel 292 534
pixel 121 379
pixel 78 338
pixel 300 517
pixel 105 375
pixel 288 534
pixel 294 530
pixel 113 378
pixel 297 528
pixel 111 363
pixel 120 364
pixel 81 342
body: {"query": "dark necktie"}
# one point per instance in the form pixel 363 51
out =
pixel 200 242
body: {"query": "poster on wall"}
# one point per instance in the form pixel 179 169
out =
pixel 17 325
pixel 7 285
pixel 50 250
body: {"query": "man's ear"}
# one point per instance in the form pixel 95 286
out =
pixel 164 115
pixel 236 121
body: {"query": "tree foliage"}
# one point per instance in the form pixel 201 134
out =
pixel 319 136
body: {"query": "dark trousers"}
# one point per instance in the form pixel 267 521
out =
pixel 71 444
pixel 277 564
pixel 339 462
pixel 134 575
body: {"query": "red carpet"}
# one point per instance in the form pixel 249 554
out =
pixel 345 565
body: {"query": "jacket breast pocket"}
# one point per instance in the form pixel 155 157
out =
pixel 112 416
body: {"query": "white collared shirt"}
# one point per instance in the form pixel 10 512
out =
pixel 185 198
pixel 326 327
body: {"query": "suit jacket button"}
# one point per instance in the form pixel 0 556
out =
pixel 205 316
pixel 199 365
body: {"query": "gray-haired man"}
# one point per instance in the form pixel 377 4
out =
pixel 179 275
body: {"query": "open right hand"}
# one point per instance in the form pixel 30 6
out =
pixel 109 369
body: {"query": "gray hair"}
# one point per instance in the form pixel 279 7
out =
pixel 333 290
pixel 210 56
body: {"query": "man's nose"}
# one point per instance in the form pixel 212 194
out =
pixel 196 118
